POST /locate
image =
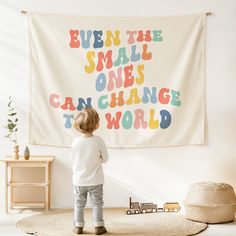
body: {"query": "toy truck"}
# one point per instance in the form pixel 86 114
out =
pixel 134 208
pixel 171 206
pixel 148 207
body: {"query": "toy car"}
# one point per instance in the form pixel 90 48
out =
pixel 134 208
pixel 148 207
pixel 171 206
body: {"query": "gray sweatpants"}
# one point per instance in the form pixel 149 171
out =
pixel 80 200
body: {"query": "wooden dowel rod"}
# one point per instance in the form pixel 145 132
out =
pixel 25 12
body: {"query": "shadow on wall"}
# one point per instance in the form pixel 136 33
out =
pixel 165 179
pixel 144 176
pixel 224 171
pixel 115 197
pixel 62 187
pixel 118 187
pixel 119 194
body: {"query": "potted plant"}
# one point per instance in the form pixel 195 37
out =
pixel 11 127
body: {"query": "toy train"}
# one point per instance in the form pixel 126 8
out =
pixel 139 208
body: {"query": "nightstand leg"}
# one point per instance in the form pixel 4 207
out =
pixel 47 183
pixel 10 187
pixel 6 176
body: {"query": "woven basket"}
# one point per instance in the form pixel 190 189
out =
pixel 210 202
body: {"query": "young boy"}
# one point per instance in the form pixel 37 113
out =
pixel 88 153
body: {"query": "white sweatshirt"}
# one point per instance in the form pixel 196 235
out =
pixel 88 154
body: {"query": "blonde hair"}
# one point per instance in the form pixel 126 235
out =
pixel 87 120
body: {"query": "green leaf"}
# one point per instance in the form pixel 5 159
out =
pixel 13 114
pixel 11 126
pixel 9 104
pixel 16 119
pixel 16 130
pixel 9 120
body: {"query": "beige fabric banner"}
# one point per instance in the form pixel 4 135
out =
pixel 144 75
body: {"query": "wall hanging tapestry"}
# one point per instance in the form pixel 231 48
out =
pixel 144 76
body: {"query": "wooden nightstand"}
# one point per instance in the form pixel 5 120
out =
pixel 28 182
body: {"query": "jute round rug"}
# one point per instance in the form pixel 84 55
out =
pixel 60 223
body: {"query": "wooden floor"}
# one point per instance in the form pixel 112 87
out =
pixel 7 225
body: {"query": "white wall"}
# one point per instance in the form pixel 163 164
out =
pixel 156 174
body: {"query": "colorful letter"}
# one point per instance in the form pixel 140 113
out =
pixel 149 95
pixel 129 78
pixel 134 57
pixel 114 100
pixel 131 36
pixel 157 36
pixel 52 98
pixel 74 42
pixel 82 103
pixel 144 37
pixel 146 55
pixel 162 97
pixel 139 80
pixel 133 97
pixel 106 59
pixel 68 120
pixel 114 121
pixel 85 42
pixel 165 119
pixel 116 39
pixel 101 82
pixel 90 68
pixel 175 98
pixel 98 42
pixel 122 57
pixel 117 77
pixel 102 105
pixel 127 120
pixel 153 124
pixel 139 119
pixel 68 105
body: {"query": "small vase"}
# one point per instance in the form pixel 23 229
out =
pixel 26 153
pixel 16 152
